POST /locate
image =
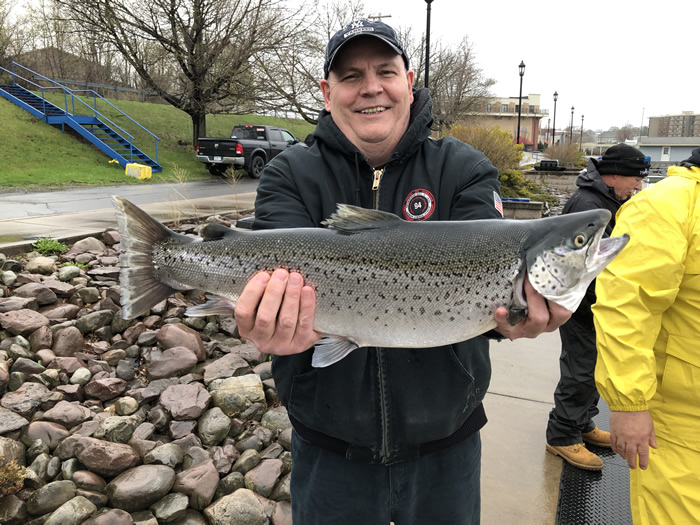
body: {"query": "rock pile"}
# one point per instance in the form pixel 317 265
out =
pixel 162 419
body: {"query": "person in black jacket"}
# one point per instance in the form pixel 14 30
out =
pixel 384 434
pixel 607 183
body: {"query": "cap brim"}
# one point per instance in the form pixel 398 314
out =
pixel 351 38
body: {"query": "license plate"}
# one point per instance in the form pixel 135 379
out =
pixel 217 158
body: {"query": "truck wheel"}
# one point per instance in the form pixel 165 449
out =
pixel 257 164
pixel 217 169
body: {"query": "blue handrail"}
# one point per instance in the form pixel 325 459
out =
pixel 74 97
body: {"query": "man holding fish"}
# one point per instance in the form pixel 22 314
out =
pixel 380 320
pixel 384 434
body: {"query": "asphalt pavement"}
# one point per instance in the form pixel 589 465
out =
pixel 69 215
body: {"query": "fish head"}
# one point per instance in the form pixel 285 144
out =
pixel 569 254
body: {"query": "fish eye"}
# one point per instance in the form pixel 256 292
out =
pixel 579 240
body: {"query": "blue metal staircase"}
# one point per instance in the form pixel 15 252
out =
pixel 85 120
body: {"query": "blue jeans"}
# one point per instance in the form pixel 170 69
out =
pixel 441 488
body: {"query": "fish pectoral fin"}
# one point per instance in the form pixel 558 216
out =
pixel 516 314
pixel 215 305
pixel 331 349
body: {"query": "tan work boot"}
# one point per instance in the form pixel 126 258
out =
pixel 578 456
pixel 597 437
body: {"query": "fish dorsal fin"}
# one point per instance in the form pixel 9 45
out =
pixel 350 219
pixel 213 231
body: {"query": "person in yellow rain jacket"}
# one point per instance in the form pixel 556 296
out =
pixel 647 320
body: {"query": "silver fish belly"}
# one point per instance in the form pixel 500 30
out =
pixel 379 280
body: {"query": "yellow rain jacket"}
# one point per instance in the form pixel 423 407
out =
pixel 647 318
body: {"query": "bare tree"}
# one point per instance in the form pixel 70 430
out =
pixel 197 55
pixel 13 37
pixel 626 132
pixel 292 71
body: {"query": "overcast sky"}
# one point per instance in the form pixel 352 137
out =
pixel 613 61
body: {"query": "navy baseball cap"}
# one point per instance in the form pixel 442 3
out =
pixel 362 27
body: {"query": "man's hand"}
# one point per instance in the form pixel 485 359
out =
pixel 542 316
pixel 276 313
pixel 631 435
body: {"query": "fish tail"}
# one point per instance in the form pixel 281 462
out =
pixel 140 287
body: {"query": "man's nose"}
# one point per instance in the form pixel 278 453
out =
pixel 371 84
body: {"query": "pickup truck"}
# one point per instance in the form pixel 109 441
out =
pixel 248 147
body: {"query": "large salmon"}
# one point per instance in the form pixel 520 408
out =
pixel 379 280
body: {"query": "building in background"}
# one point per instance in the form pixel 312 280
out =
pixel 687 124
pixel 503 112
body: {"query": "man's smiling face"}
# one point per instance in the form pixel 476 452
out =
pixel 369 94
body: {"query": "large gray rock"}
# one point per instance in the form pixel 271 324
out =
pixel 199 483
pixel 230 365
pixel 172 335
pixel 49 497
pixel 276 419
pixel 105 458
pixel 168 454
pixel 170 508
pixel 140 487
pixel 67 414
pixel 263 478
pixel 185 401
pixel 172 362
pixel 41 265
pixel 236 394
pixel 213 427
pixel 26 399
pixel 68 341
pixel 50 433
pixel 13 511
pixel 10 421
pixel 13 450
pixel 111 517
pixel 72 512
pixel 41 293
pixel 240 508
pixel 117 429
pixel 105 389
pixel 22 322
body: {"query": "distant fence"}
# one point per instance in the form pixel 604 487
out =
pixel 126 93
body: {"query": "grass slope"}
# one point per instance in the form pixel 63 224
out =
pixel 35 155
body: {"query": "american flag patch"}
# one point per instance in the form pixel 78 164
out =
pixel 498 203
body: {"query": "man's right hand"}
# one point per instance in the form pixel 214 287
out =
pixel 631 435
pixel 276 313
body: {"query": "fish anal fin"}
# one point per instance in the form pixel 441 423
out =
pixel 215 305
pixel 331 349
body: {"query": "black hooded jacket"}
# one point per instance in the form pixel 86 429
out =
pixel 383 405
pixel 592 194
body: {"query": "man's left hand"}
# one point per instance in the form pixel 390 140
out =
pixel 542 316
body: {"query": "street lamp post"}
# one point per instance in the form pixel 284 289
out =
pixel 571 128
pixel 427 45
pixel 554 121
pixel 580 142
pixel 521 70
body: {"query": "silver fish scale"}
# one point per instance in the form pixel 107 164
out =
pixel 404 286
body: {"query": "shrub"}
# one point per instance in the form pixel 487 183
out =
pixel 567 154
pixel 49 246
pixel 495 143
pixel 11 477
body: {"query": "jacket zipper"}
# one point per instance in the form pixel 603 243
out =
pixel 380 357
pixel 375 186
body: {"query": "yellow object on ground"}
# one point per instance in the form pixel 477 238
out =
pixel 138 171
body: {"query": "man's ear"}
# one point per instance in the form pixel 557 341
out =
pixel 326 90
pixel 410 77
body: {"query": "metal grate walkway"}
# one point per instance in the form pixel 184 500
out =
pixel 596 498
